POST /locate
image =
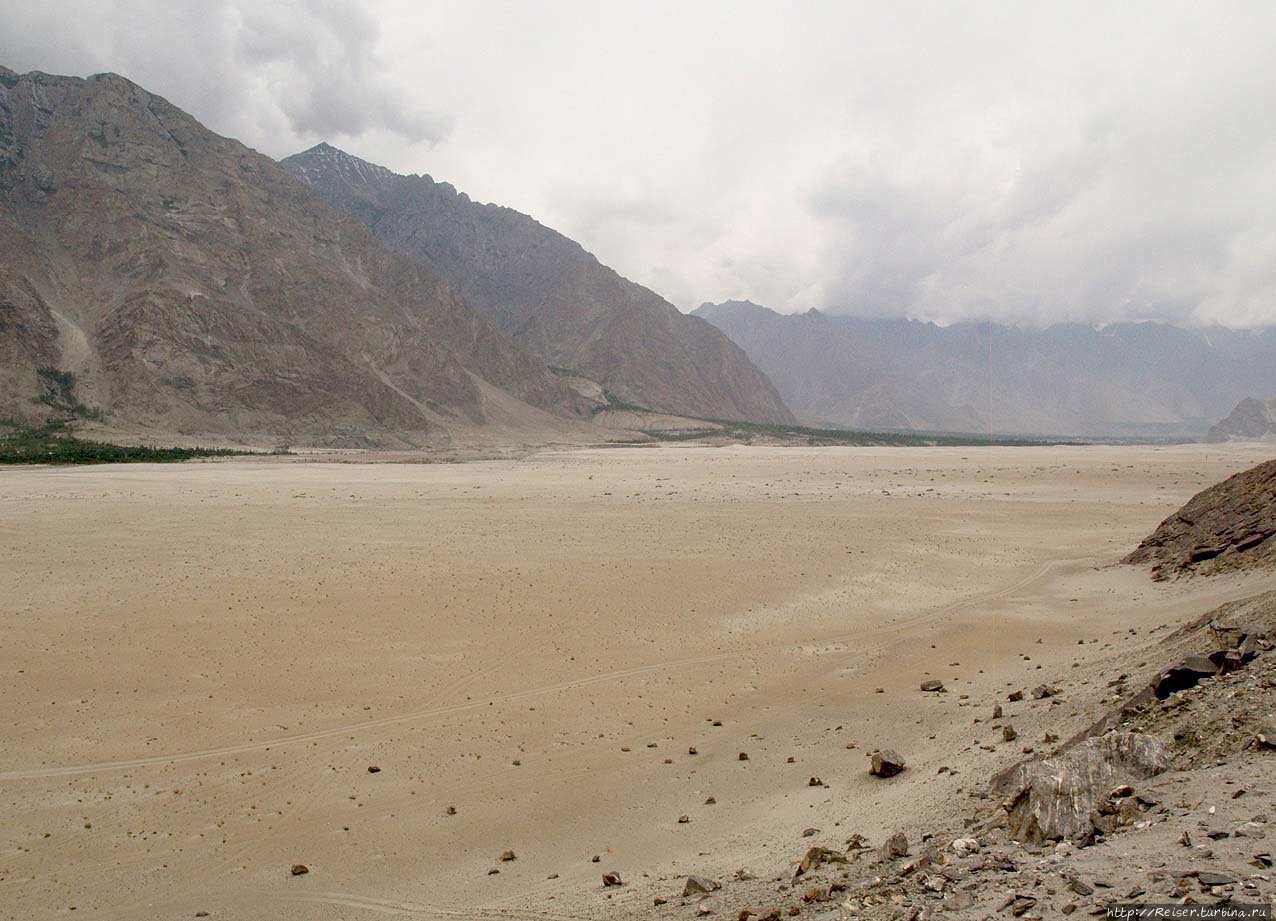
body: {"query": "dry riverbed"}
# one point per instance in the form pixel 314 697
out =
pixel 558 656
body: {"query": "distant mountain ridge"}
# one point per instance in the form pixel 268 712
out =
pixel 554 298
pixel 1128 380
pixel 177 281
pixel 828 377
pixel 1252 419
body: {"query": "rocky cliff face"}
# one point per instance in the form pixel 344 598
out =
pixel 549 294
pixel 1251 420
pixel 181 282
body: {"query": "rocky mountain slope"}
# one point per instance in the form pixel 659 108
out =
pixel 1166 797
pixel 1228 526
pixel 548 293
pixel 174 280
pixel 1129 380
pixel 1252 419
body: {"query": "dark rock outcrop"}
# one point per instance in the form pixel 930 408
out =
pixel 1226 527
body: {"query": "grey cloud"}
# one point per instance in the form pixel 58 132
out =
pixel 274 74
pixel 1027 162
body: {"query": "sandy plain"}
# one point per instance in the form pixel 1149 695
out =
pixel 201 662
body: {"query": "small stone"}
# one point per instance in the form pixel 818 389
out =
pixel 684 819
pixel 886 763
pixel 373 769
pixel 595 859
pixel 507 856
pixel 1015 696
pixel 933 684
pixel 743 756
pixel 711 801
pixel 815 782
pixel 698 885
pixel 896 846
pixel 612 879
pixel 451 810
pixel 1210 878
pixel 299 869
pixel 1008 733
pixel 810 832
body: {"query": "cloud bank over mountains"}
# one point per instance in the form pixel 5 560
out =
pixel 1023 162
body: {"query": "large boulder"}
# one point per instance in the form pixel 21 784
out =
pixel 1058 798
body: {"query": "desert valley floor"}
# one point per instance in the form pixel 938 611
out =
pixel 202 662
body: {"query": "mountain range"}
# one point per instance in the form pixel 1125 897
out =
pixel 1126 380
pixel 161 277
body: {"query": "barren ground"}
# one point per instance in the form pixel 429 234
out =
pixel 201 662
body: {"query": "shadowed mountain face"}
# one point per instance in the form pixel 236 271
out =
pixel 1131 380
pixel 548 293
pixel 1251 420
pixel 190 284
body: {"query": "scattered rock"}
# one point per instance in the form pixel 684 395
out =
pixel 886 763
pixel 507 856
pixel 373 769
pixel 1210 878
pixel 812 859
pixel 299 869
pixel 612 879
pixel 1042 691
pixel 933 685
pixel 896 846
pixel 1008 733
pixel 699 885
pixel 1186 674
pixel 964 847
pixel 684 819
pixel 1014 696
pixel 815 782
pixel 743 756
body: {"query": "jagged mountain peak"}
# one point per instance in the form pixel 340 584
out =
pixel 325 163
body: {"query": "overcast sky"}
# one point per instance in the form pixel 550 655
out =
pixel 1021 160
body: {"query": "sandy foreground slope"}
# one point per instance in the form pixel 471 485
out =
pixel 201 662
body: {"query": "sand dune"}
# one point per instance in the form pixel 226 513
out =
pixel 202 662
